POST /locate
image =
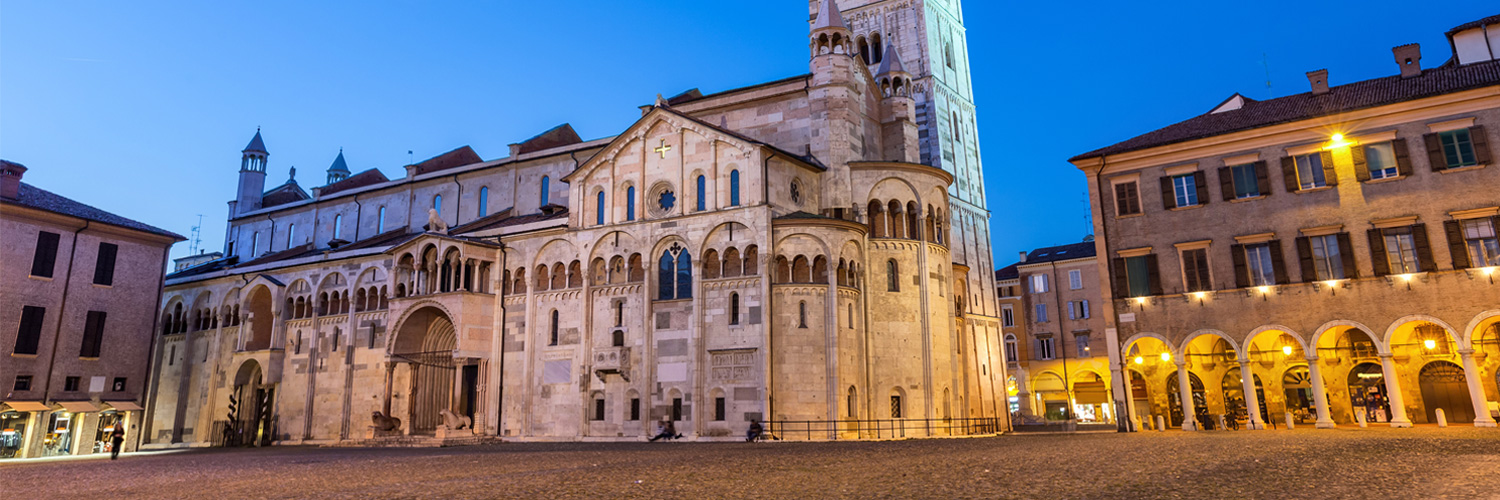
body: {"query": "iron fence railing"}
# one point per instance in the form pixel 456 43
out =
pixel 882 428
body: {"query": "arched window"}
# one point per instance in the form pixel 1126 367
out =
pixel 380 222
pixel 1011 352
pixel 957 135
pixel 291 234
pixel 254 243
pixel 802 315
pixel 437 203
pixel 630 203
pixel 338 225
pixel 546 190
pixel 484 201
pixel 734 188
pixel 702 193
pixel 734 308
pixel 552 338
pixel 599 209
pixel 892 271
pixel 674 276
pixel 620 313
pixel 853 402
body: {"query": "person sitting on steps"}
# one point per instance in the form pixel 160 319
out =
pixel 755 431
pixel 668 431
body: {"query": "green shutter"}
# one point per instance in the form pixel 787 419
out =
pixel 1154 272
pixel 1168 199
pixel 1278 263
pixel 1200 181
pixel 1262 179
pixel 1346 253
pixel 1456 247
pixel 1121 278
pixel 1226 183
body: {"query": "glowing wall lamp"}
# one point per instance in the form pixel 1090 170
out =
pixel 1286 350
pixel 1166 356
pixel 1429 344
pixel 1140 360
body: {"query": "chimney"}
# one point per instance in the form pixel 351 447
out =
pixel 1319 81
pixel 10 179
pixel 1409 58
pixel 1023 257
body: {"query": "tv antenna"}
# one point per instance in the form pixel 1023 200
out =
pixel 197 231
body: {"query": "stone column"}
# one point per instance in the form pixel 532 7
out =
pixel 1252 400
pixel 1393 392
pixel 1320 396
pixel 1482 416
pixel 1185 395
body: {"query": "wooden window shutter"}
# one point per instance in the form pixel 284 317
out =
pixel 1346 254
pixel 1200 181
pixel 1289 173
pixel 1378 258
pixel 104 267
pixel 1361 165
pixel 1153 271
pixel 1424 250
pixel 1203 277
pixel 1168 198
pixel 1226 183
pixel 1113 198
pixel 1330 171
pixel 1241 271
pixel 1278 263
pixel 1262 179
pixel 1121 280
pixel 1456 246
pixel 1481 144
pixel 1435 157
pixel 45 259
pixel 1305 258
pixel 1403 157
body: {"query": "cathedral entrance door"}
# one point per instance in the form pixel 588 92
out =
pixel 425 343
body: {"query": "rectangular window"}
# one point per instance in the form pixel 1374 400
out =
pixel 104 267
pixel 93 335
pixel 1310 171
pixel 1075 279
pixel 1039 283
pixel 1010 349
pixel 1127 199
pixel 635 409
pixel 1195 270
pixel 895 406
pixel 1458 148
pixel 1044 348
pixel 23 383
pixel 45 257
pixel 1185 189
pixel 70 384
pixel 1082 341
pixel 1479 237
pixel 598 409
pixel 1083 309
pixel 1138 272
pixel 30 332
pixel 1258 262
pixel 1041 313
pixel 1246 184
pixel 1072 310
pixel 1007 316
pixel 676 409
pixel 1401 251
pixel 1381 160
pixel 719 409
pixel 119 385
pixel 1328 263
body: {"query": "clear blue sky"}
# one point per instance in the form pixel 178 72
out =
pixel 141 108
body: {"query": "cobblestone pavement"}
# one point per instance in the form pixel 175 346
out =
pixel 1343 463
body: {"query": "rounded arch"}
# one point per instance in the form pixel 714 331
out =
pixel 1254 334
pixel 249 371
pixel 1335 325
pixel 1150 335
pixel 1414 318
pixel 894 188
pixel 1472 329
pixel 417 311
pixel 1209 331
pixel 563 249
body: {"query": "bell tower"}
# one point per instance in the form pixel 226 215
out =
pixel 833 98
pixel 252 176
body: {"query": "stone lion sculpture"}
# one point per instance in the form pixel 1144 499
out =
pixel 455 421
pixel 383 423
pixel 435 222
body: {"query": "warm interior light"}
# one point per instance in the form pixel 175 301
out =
pixel 1429 344
pixel 1166 356
pixel 1287 350
pixel 1140 360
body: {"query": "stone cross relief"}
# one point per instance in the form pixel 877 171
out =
pixel 663 149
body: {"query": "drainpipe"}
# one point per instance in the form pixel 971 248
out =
pixel 62 311
pixel 154 365
pixel 358 210
pixel 769 304
pixel 1062 342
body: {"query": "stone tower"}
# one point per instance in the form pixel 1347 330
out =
pixel 930 40
pixel 252 177
pixel 339 170
pixel 834 97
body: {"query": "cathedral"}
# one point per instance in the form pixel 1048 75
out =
pixel 812 253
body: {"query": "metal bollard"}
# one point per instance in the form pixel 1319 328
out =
pixel 1442 418
pixel 1161 423
pixel 1290 424
pixel 1360 417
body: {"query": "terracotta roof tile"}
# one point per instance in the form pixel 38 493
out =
pixel 41 199
pixel 455 158
pixel 367 178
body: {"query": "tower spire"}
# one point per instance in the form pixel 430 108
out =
pixel 339 170
pixel 830 35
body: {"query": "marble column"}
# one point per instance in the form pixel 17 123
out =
pixel 1320 395
pixel 1482 416
pixel 1185 395
pixel 1393 392
pixel 1252 400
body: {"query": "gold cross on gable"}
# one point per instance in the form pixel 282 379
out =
pixel 663 148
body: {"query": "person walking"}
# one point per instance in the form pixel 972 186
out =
pixel 117 440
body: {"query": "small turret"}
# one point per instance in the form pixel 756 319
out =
pixel 829 33
pixel 893 78
pixel 339 170
pixel 898 113
pixel 252 176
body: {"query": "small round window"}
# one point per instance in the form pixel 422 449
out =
pixel 796 191
pixel 661 200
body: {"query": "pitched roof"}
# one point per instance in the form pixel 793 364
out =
pixel 561 135
pixel 455 158
pixel 1059 253
pixel 690 95
pixel 1009 272
pixel 367 178
pixel 290 253
pixel 283 194
pixel 829 16
pixel 1445 79
pixel 41 199
pixel 505 218
pixel 256 144
pixel 890 62
pixel 338 163
pixel 1475 24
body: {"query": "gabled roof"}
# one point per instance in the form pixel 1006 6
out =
pixel 649 116
pixel 392 237
pixel 205 268
pixel 455 158
pixel 338 163
pixel 367 178
pixel 1474 24
pixel 507 218
pixel 283 194
pixel 41 199
pixel 1446 79
pixel 690 95
pixel 1060 253
pixel 1010 272
pixel 561 135
pixel 256 144
pixel 295 252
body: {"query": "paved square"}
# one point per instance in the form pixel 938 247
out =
pixel 1344 463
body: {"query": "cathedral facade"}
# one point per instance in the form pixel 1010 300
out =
pixel 812 252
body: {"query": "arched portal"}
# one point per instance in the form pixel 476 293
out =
pixel 250 402
pixel 1051 395
pixel 1444 386
pixel 1174 398
pixel 1091 399
pixel 424 344
pixel 1367 392
pixel 1233 386
pixel 1140 395
pixel 1296 382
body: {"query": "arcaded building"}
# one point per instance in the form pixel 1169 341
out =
pixel 1323 259
pixel 812 251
